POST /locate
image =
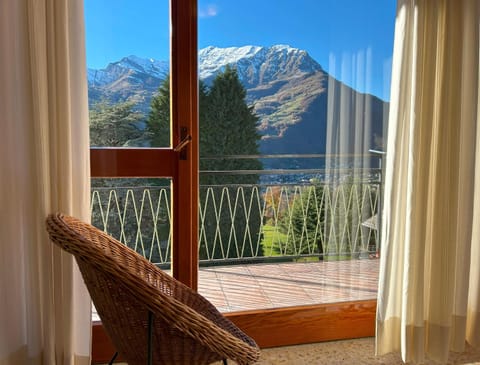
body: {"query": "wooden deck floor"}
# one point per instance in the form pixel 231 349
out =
pixel 262 286
pixel 275 285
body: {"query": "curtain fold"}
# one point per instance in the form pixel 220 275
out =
pixel 44 162
pixel 428 300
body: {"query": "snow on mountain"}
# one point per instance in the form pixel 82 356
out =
pixel 256 65
pixel 213 59
pixel 287 88
pixel 153 67
pixel 127 66
pixel 274 77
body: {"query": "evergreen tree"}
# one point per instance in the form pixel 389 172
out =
pixel 305 225
pixel 158 122
pixel 114 125
pixel 227 127
pixel 117 125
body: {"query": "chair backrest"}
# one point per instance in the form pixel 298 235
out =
pixel 125 287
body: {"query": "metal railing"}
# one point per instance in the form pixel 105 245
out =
pixel 306 216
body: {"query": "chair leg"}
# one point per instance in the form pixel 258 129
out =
pixel 150 338
pixel 113 358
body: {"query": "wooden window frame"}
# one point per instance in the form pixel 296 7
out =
pixel 270 328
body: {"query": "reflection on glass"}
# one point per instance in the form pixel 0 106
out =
pixel 293 98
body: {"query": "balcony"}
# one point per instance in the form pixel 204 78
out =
pixel 297 237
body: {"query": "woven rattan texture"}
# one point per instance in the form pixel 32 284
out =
pixel 124 287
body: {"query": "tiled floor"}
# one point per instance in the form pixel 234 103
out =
pixel 260 286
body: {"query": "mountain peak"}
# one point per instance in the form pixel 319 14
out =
pixel 281 47
pixel 256 64
pixel 250 61
pixel 127 66
pixel 228 55
pixel 145 65
pixel 286 87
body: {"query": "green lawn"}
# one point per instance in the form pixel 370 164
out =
pixel 271 239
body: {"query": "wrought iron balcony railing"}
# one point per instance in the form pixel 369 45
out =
pixel 302 215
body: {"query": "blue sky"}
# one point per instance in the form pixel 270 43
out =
pixel 351 39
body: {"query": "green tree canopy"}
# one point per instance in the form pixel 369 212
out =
pixel 115 125
pixel 227 127
pixel 118 125
pixel 158 122
pixel 305 224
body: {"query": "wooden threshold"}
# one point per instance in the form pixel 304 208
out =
pixel 308 324
pixel 282 326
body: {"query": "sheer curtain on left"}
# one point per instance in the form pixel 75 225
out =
pixel 44 167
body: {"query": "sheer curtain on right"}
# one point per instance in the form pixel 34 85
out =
pixel 429 297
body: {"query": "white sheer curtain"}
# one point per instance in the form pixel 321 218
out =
pixel 429 289
pixel 44 167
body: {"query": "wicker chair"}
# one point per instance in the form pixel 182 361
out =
pixel 136 302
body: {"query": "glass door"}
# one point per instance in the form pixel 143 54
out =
pixel 144 139
pixel 142 83
pixel 293 110
pixel 268 159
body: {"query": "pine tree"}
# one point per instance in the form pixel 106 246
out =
pixel 227 127
pixel 115 125
pixel 158 122
pixel 305 225
pixel 118 125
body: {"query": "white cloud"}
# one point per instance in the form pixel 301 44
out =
pixel 208 11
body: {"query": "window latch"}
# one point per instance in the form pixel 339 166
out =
pixel 185 139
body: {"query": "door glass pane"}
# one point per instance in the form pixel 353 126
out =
pixel 294 100
pixel 128 49
pixel 127 57
pixel 128 65
pixel 137 213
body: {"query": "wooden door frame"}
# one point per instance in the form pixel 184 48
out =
pixel 184 112
pixel 282 326
pixel 274 327
pixel 167 162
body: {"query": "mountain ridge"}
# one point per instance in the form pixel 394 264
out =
pixel 284 84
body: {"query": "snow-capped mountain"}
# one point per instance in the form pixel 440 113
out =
pixel 128 65
pixel 256 65
pixel 288 89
